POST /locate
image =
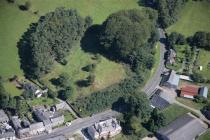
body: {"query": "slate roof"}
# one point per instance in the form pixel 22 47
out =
pixel 7 135
pixel 203 92
pixel 186 127
pixel 3 116
pixel 173 78
pixel 159 102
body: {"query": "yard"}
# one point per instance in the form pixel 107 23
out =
pixel 42 101
pixel 194 17
pixel 180 58
pixel 190 103
pixel 205 136
pixel 173 112
pixel 106 72
pixel 15 22
pixel 204 61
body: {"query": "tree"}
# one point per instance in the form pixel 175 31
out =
pixel 90 67
pixel 4 97
pixel 22 108
pixel 88 21
pixel 126 31
pixel 156 121
pixel 64 80
pixel 28 94
pixel 28 4
pixel 201 39
pixel 168 11
pixel 197 77
pixel 50 40
pixel 175 39
pixel 90 79
pixel 65 94
pixel 139 105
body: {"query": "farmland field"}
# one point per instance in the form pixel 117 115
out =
pixel 194 17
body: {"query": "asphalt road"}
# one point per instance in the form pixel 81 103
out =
pixel 151 85
pixel 76 125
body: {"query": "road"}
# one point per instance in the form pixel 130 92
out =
pixel 155 80
pixel 76 125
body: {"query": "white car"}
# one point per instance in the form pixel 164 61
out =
pixel 68 123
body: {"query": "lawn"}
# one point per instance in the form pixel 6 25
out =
pixel 190 103
pixel 42 101
pixel 204 60
pixel 14 22
pixel 205 136
pixel 68 116
pixel 157 60
pixel 173 112
pixel 180 57
pixel 106 72
pixel 194 17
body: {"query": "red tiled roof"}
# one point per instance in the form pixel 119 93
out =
pixel 189 90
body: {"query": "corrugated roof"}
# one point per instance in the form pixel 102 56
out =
pixel 204 92
pixel 173 78
pixel 186 127
pixel 189 90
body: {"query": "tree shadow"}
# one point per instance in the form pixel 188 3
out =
pixel 120 105
pixel 91 43
pixel 55 81
pixel 90 40
pixel 25 52
pixel 82 83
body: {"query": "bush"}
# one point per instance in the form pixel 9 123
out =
pixel 197 77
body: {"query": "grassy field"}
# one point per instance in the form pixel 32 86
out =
pixel 205 136
pixel 157 60
pixel 42 101
pixel 14 22
pixel 190 103
pixel 173 112
pixel 203 60
pixel 106 72
pixel 194 17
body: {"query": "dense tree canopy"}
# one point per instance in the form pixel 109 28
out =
pixel 127 31
pixel 51 39
pixel 169 11
pixel 139 105
pixel 201 39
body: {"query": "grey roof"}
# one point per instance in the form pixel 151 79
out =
pixel 3 116
pixel 16 123
pixel 37 125
pixel 7 135
pixel 186 127
pixel 40 115
pixel 159 102
pixel 203 92
pixel 173 78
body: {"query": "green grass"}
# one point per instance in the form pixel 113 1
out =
pixel 203 60
pixel 180 56
pixel 190 103
pixel 205 136
pixel 106 72
pixel 11 89
pixel 14 22
pixel 194 17
pixel 68 116
pixel 173 112
pixel 157 61
pixel 42 101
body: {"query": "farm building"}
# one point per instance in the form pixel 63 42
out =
pixel 186 127
pixel 189 91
